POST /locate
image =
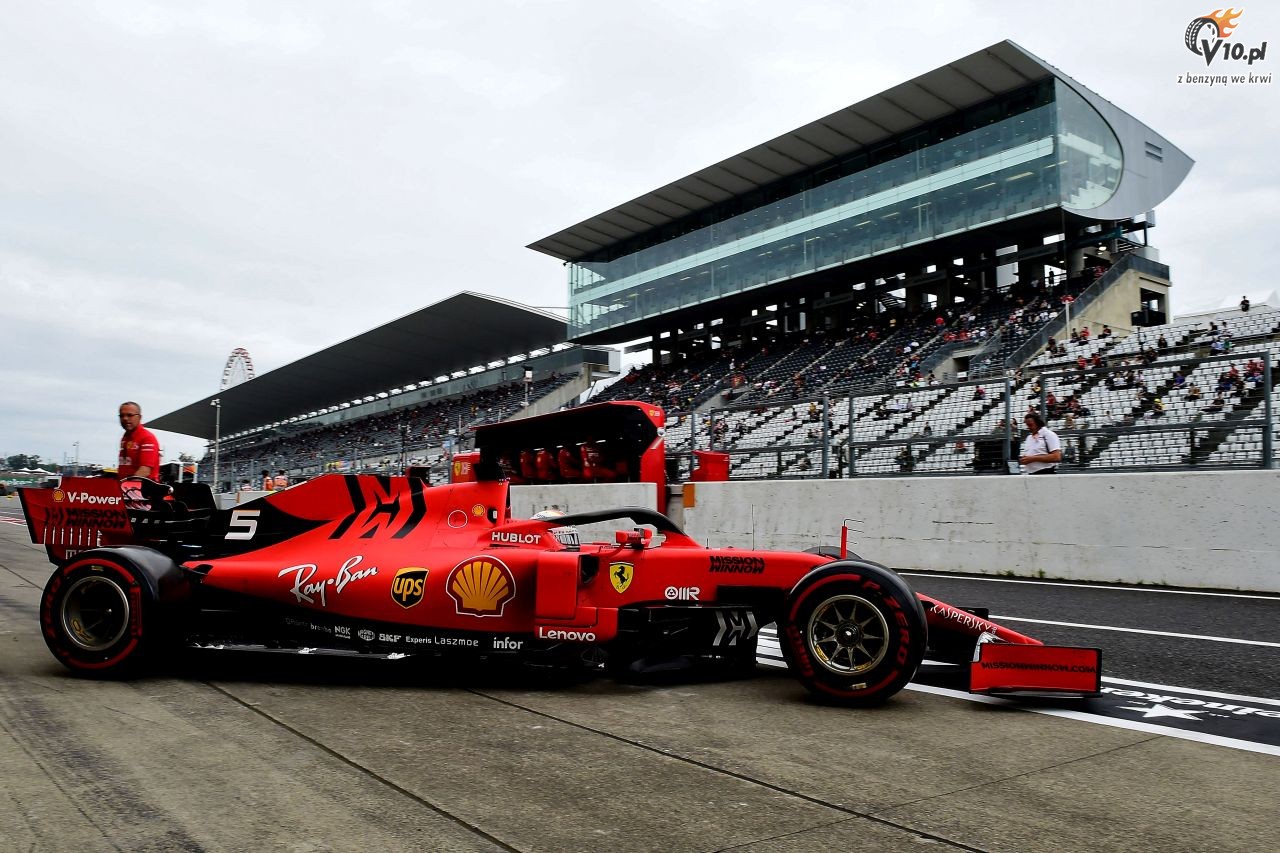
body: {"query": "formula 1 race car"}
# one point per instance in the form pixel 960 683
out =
pixel 393 567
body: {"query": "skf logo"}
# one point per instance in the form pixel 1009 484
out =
pixel 407 586
pixel 59 495
pixel 481 586
pixel 1206 36
pixel 620 575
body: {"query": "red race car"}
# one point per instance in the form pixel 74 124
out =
pixel 393 567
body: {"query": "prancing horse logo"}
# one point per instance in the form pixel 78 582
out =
pixel 620 575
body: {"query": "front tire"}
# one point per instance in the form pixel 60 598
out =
pixel 853 633
pixel 96 614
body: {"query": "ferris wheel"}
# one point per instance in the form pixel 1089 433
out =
pixel 239 368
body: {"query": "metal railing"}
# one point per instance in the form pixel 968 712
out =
pixel 812 437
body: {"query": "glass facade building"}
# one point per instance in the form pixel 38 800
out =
pixel 1041 147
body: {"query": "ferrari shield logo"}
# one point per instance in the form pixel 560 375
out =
pixel 620 575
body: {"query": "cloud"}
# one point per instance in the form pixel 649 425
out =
pixel 184 178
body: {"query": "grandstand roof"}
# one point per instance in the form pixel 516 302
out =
pixel 955 86
pixel 457 333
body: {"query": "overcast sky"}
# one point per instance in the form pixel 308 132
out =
pixel 180 179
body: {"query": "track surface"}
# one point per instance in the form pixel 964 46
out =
pixel 305 754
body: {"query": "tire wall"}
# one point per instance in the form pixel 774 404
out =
pixel 1211 529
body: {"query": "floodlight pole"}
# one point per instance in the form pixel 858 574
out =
pixel 217 437
pixel 75 471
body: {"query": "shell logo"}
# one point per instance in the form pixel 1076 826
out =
pixel 477 510
pixel 59 496
pixel 481 586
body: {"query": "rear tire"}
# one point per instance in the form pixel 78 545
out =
pixel 96 614
pixel 853 633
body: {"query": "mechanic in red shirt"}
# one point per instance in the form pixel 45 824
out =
pixel 139 448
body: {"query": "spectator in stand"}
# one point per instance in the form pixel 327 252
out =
pixel 1105 333
pixel 1193 392
pixel 1069 422
pixel 1157 408
pixel 1216 404
pixel 1244 303
pixel 1178 379
pixel 1041 450
pixel 980 393
pixel 281 482
pixel 1162 343
pixel 267 483
pixel 139 448
pixel 1084 335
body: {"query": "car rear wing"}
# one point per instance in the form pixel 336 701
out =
pixel 81 513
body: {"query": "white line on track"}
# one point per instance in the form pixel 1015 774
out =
pixel 1090 586
pixel 1134 725
pixel 1265 643
pixel 769 660
pixel 1211 694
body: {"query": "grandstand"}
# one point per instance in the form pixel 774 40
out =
pixel 830 301
pixel 883 292
pixel 408 392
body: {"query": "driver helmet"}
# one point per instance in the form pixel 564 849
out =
pixel 566 536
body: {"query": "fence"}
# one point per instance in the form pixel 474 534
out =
pixel 970 427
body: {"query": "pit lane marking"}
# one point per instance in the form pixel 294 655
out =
pixel 770 654
pixel 1235 697
pixel 1264 643
pixel 1090 586
pixel 1114 722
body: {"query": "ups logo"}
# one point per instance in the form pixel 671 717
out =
pixel 407 586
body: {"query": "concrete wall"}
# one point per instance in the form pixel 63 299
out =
pixel 1212 529
pixel 527 500
pixel 1114 307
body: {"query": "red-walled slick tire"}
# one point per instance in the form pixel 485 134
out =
pixel 853 633
pixel 95 615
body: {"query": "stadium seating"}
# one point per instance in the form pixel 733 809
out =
pixel 761 401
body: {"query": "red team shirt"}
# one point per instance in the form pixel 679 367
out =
pixel 138 447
